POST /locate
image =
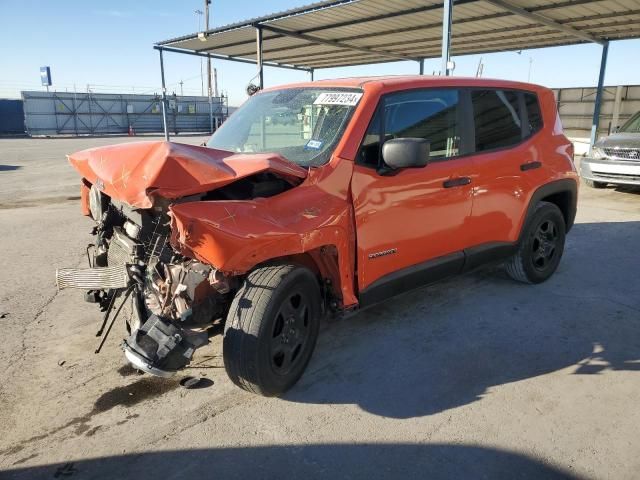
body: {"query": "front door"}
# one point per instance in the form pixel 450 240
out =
pixel 416 217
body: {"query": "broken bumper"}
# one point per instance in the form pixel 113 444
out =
pixel 161 348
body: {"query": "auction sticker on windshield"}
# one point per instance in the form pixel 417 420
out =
pixel 338 98
pixel 313 145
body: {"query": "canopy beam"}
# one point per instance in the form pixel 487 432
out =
pixel 333 43
pixel 229 58
pixel 536 17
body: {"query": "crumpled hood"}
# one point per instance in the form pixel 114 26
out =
pixel 134 172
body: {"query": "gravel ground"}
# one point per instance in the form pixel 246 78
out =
pixel 477 377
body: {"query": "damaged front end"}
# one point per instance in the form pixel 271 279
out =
pixel 170 301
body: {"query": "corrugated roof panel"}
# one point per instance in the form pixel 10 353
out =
pixel 413 28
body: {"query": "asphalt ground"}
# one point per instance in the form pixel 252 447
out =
pixel 476 377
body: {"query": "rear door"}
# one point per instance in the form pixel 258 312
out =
pixel 417 214
pixel 505 160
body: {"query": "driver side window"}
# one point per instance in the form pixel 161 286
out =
pixel 430 114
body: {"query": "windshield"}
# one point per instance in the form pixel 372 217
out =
pixel 301 124
pixel 632 125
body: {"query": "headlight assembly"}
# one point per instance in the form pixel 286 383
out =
pixel 96 203
pixel 597 152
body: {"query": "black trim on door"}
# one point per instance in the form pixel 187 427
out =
pixel 488 253
pixel 434 270
pixel 411 278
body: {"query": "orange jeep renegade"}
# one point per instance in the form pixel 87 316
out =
pixel 370 188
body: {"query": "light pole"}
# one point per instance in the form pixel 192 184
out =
pixel 519 52
pixel 199 13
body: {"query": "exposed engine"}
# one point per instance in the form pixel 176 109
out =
pixel 173 298
pixel 173 287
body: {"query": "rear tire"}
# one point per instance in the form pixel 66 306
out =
pixel 594 184
pixel 541 246
pixel 272 328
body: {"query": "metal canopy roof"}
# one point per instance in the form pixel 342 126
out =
pixel 355 32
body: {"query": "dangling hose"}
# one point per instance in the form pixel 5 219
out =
pixel 126 296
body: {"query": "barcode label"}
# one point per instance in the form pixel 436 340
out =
pixel 338 98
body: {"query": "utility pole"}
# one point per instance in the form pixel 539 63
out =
pixel 209 92
pixel 480 68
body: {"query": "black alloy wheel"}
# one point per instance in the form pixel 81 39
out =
pixel 544 245
pixel 291 333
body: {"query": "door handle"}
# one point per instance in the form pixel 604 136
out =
pixel 530 166
pixel 456 182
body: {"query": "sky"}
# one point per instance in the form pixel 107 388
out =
pixel 108 45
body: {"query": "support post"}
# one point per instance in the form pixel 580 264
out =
pixel 598 101
pixel 421 63
pixel 259 57
pixel 617 103
pixel 164 98
pixel 446 35
pixel 209 90
pixel 210 98
pixel 311 74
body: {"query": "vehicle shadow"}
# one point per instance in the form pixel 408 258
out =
pixel 8 168
pixel 444 346
pixel 631 189
pixel 370 461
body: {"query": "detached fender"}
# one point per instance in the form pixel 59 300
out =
pixel 235 236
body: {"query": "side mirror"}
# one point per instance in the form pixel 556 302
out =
pixel 406 152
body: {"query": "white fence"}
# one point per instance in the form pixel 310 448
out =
pixel 576 105
pixel 57 113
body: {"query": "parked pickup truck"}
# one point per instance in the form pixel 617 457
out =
pixel 379 186
pixel 615 159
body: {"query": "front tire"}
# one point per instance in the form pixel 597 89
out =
pixel 541 246
pixel 272 328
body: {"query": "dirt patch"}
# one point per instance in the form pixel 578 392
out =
pixel 133 394
pixel 127 370
pixel 38 202
pixel 126 396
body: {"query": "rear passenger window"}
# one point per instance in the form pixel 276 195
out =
pixel 534 115
pixel 429 114
pixel 496 118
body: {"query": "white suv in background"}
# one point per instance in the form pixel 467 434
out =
pixel 616 158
